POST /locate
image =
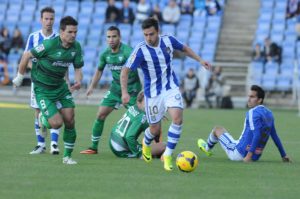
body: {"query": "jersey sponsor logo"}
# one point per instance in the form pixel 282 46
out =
pixel 114 67
pixel 39 48
pixel 61 64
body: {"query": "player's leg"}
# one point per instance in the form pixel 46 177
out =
pixel 173 100
pixel 157 149
pixel 212 140
pixel 228 144
pixel 69 135
pixel 40 136
pixel 107 105
pixel 54 134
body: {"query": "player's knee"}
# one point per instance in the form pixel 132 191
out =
pixel 56 124
pixel 218 130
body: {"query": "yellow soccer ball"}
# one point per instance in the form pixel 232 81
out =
pixel 187 161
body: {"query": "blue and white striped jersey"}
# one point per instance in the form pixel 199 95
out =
pixel 258 127
pixel 156 64
pixel 37 38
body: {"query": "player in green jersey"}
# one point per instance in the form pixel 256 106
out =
pixel 123 139
pixel 54 56
pixel 114 57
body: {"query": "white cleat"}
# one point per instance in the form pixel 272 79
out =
pixel 38 150
pixel 68 160
pixel 54 150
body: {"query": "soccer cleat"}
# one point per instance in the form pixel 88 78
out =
pixel 38 150
pixel 168 163
pixel 146 151
pixel 203 147
pixel 89 151
pixel 54 149
pixel 68 160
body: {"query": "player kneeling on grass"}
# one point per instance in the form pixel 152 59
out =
pixel 258 127
pixel 123 139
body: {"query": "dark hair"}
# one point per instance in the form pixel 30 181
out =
pixel 148 23
pixel 114 28
pixel 65 21
pixel 259 92
pixel 140 97
pixel 47 9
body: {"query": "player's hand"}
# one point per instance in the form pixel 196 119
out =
pixel 89 91
pixel 125 98
pixel 286 159
pixel 17 81
pixel 75 86
pixel 206 65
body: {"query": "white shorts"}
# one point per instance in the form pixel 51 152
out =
pixel 229 146
pixel 157 106
pixel 33 102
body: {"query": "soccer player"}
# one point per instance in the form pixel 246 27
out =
pixel 54 56
pixel 114 57
pixel 123 138
pixel 161 87
pixel 34 39
pixel 258 127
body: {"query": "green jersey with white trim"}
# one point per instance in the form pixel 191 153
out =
pixel 115 62
pixel 53 61
pixel 126 132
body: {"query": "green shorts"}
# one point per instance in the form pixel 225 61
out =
pixel 50 101
pixel 113 100
pixel 124 154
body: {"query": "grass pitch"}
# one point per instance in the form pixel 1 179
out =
pixel 105 176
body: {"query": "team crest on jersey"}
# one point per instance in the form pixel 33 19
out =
pixel 40 48
pixel 168 50
pixel 73 54
pixel 58 54
pixel 120 58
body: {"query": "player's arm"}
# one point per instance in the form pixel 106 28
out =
pixel 96 77
pixel 17 81
pixel 78 78
pixel 189 52
pixel 124 81
pixel 29 45
pixel 132 133
pixel 279 145
pixel 256 128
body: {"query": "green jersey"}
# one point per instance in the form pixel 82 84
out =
pixel 53 61
pixel 115 62
pixel 126 132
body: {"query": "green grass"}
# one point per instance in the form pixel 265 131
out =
pixel 105 176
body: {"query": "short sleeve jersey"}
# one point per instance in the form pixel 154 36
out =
pixel 156 64
pixel 114 62
pixel 129 128
pixel 53 61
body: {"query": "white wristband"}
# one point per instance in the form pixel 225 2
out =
pixel 17 81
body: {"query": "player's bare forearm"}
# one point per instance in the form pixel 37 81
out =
pixel 124 79
pixel 97 76
pixel 189 52
pixel 78 78
pixel 24 62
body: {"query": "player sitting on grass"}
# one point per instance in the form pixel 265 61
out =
pixel 123 138
pixel 258 127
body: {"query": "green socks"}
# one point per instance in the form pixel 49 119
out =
pixel 97 132
pixel 69 141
